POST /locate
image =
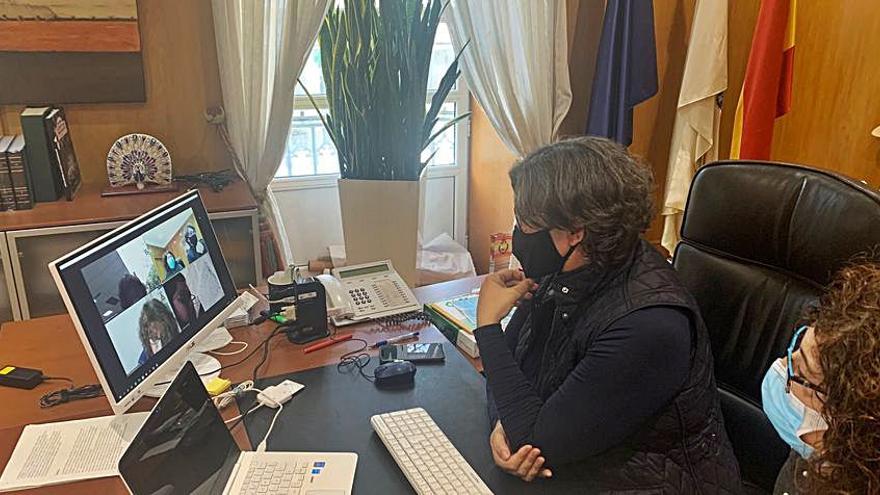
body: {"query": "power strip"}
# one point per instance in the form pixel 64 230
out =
pixel 279 394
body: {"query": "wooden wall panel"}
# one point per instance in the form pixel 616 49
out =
pixel 490 199
pixel 490 205
pixel 836 93
pixel 653 119
pixel 182 79
pixel 58 78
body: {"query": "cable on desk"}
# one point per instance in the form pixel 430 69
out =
pixel 262 446
pixel 58 379
pixel 64 395
pixel 228 397
pixel 243 347
pixel 356 359
pixel 240 417
pixel 264 343
pixel 263 359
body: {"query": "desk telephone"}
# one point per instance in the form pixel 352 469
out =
pixel 364 292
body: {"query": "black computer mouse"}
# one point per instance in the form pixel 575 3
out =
pixel 395 374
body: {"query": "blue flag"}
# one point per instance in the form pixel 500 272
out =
pixel 626 69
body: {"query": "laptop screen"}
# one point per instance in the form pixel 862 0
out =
pixel 184 446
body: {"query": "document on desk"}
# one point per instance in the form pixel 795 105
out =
pixel 54 453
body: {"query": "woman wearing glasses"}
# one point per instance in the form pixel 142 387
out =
pixel 823 398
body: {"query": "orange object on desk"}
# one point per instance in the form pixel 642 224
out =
pixel 326 343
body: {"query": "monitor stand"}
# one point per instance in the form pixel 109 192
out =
pixel 203 363
pixel 217 339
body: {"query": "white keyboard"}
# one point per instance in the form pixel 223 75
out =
pixel 428 459
pixel 265 477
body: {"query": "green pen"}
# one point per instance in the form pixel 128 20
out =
pixel 278 319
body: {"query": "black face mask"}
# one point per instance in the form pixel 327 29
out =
pixel 537 253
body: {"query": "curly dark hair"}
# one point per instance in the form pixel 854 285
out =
pixel 847 329
pixel 155 311
pixel 588 183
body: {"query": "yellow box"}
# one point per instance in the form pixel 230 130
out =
pixel 217 386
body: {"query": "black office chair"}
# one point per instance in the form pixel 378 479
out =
pixel 760 241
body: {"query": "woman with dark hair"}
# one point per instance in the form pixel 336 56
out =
pixel 187 307
pixel 823 397
pixel 604 373
pixel 131 290
pixel 156 328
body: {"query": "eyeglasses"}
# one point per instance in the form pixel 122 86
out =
pixel 792 377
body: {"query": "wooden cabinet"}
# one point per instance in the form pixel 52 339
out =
pixel 30 240
pixel 8 299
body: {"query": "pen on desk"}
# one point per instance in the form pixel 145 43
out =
pixel 326 343
pixel 395 339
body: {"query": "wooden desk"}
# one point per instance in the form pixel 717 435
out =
pixel 51 344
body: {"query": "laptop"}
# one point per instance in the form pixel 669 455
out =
pixel 184 447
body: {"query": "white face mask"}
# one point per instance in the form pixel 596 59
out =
pixel 791 418
pixel 155 345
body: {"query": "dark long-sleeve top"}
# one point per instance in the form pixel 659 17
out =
pixel 628 374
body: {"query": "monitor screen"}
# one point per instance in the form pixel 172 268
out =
pixel 144 290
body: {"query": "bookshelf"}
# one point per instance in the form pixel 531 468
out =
pixel 30 239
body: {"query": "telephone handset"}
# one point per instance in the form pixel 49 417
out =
pixel 365 292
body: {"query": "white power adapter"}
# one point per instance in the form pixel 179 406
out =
pixel 279 394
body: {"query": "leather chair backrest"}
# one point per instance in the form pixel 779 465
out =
pixel 760 241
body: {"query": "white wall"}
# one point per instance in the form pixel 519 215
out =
pixel 310 212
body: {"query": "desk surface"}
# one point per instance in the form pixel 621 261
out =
pixel 51 344
pixel 88 206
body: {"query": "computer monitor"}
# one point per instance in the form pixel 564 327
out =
pixel 145 294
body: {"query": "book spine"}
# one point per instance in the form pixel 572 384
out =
pixel 20 186
pixel 462 339
pixel 468 343
pixel 7 194
pixel 40 159
pixel 447 328
pixel 66 156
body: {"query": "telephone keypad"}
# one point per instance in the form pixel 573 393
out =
pixel 360 297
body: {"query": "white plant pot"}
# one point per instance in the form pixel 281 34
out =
pixel 380 220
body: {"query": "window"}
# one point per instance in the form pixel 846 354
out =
pixel 309 150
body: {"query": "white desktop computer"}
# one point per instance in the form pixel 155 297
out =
pixel 145 296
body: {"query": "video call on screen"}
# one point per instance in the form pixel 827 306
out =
pixel 153 287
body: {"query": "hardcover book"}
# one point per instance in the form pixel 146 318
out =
pixel 65 157
pixel 21 187
pixel 7 199
pixel 42 163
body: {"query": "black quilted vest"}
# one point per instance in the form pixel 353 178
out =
pixel 684 448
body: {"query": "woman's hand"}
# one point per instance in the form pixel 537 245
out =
pixel 500 292
pixel 526 464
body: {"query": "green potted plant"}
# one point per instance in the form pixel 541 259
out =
pixel 375 57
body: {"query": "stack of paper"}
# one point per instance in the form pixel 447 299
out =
pixel 55 453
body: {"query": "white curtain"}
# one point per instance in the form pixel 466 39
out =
pixel 698 119
pixel 261 48
pixel 516 65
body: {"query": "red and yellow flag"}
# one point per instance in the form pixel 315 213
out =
pixel 766 91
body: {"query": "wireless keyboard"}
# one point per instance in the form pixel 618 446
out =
pixel 428 459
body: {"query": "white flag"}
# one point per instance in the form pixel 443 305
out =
pixel 695 134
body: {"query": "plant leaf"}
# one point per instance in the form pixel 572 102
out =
pixel 445 126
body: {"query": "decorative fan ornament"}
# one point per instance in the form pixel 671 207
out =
pixel 138 159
